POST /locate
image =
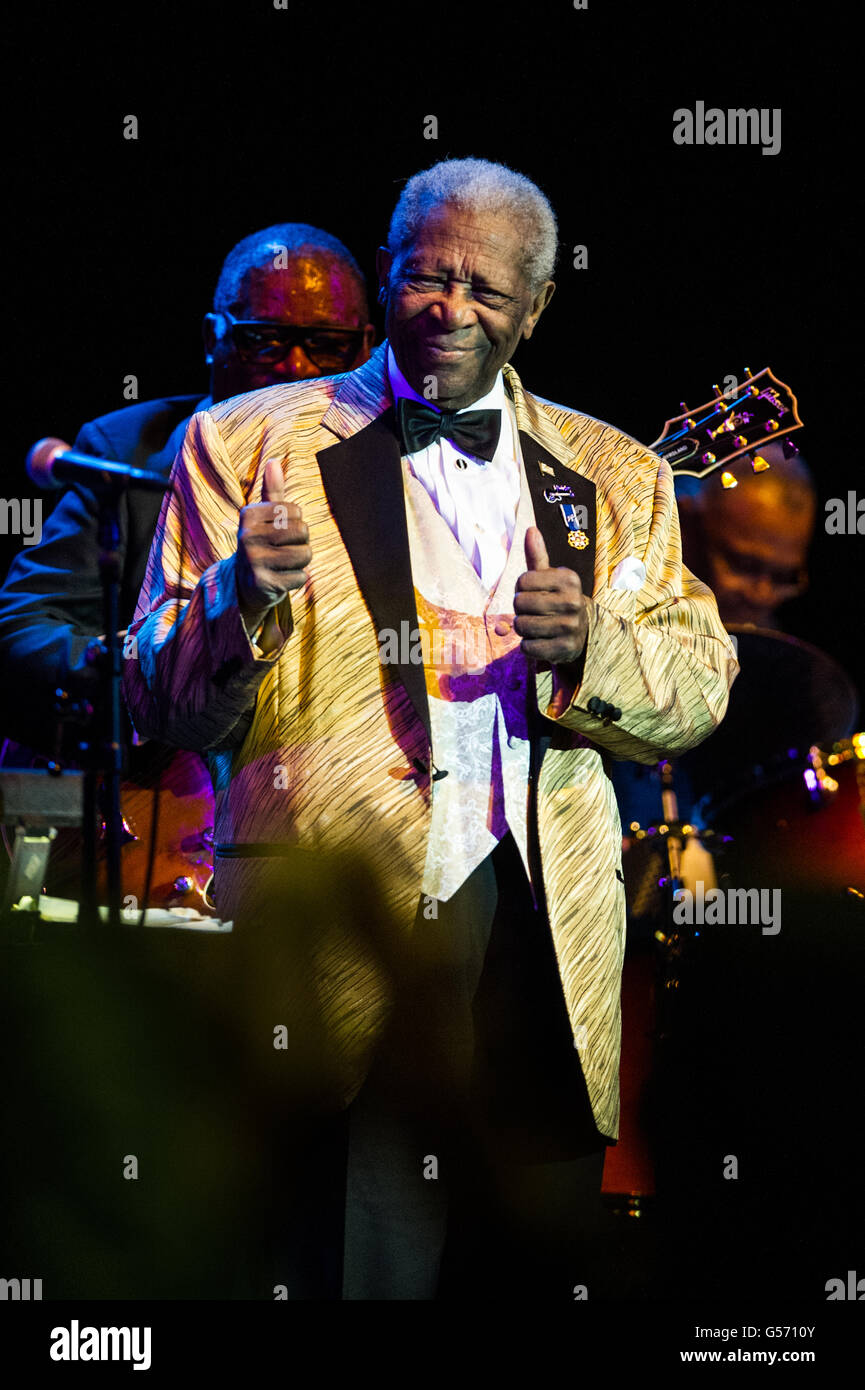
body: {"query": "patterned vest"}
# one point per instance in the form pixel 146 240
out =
pixel 476 681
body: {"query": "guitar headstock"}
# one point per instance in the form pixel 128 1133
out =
pixel 736 421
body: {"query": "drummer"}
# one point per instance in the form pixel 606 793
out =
pixel 751 540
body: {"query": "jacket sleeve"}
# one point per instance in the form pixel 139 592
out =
pixel 191 673
pixel 668 668
pixel 51 606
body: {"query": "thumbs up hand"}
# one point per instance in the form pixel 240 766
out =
pixel 272 549
pixel 552 616
pixel 536 552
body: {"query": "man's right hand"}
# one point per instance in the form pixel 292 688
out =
pixel 272 549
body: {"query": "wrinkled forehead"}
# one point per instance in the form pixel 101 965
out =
pixel 454 238
pixel 304 286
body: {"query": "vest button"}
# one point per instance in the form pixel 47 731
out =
pixel 502 627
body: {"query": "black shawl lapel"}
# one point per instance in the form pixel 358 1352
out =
pixel 552 527
pixel 362 477
pixel 548 516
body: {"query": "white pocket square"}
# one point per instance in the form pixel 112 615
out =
pixel 629 573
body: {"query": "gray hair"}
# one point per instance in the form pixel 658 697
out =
pixel 481 186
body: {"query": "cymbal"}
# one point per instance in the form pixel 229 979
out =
pixel 788 696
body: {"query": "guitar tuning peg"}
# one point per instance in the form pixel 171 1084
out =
pixel 728 480
pixel 748 372
pixel 683 407
pixel 758 463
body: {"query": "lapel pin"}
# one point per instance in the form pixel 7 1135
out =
pixel 575 518
pixel 545 468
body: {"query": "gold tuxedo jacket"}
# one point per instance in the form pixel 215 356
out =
pixel 321 745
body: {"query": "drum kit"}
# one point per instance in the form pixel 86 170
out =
pixel 774 801
pixel 167 852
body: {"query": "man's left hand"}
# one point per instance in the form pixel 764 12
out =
pixel 550 607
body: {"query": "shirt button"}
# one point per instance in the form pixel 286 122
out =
pixel 502 627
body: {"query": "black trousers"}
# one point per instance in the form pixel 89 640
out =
pixel 470 1156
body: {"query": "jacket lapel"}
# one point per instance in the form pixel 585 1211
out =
pixel 551 485
pixel 549 465
pixel 363 481
pixel 553 480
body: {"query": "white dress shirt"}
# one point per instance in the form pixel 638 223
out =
pixel 477 499
pixel 478 721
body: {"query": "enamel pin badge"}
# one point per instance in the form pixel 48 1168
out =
pixel 558 492
pixel 576 519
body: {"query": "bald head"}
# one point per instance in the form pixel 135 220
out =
pixel 271 250
pixel 289 274
pixel 750 542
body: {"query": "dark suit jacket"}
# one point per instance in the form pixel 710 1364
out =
pixel 51 601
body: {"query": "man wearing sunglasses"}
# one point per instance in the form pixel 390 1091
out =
pixel 290 304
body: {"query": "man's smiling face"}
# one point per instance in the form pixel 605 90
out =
pixel 458 302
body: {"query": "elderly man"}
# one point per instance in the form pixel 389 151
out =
pixel 409 611
pixel 290 304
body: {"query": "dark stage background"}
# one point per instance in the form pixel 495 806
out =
pixel 701 260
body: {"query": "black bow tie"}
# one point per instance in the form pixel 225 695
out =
pixel 475 431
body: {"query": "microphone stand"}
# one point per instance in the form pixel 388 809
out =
pixel 51 463
pixel 103 751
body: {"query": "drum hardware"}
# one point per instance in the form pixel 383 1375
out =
pixel 650 987
pixel 207 894
pixel 812 701
pixel 36 802
pixel 127 835
pixel 797 820
pixel 820 783
pixel 650 981
pixel 676 837
pixel 175 781
pixel 48 919
pixel 674 939
pixel 633 1204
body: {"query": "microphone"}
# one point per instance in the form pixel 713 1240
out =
pixel 53 464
